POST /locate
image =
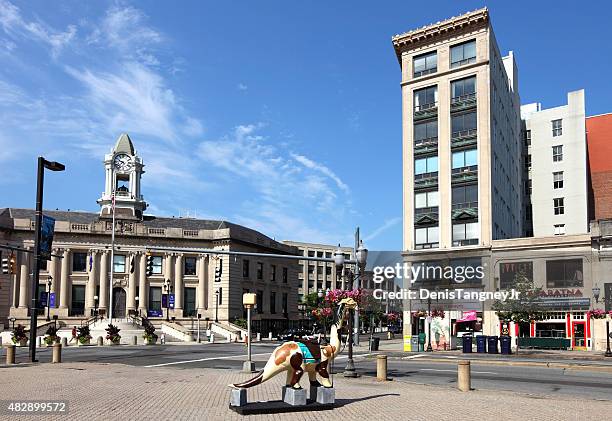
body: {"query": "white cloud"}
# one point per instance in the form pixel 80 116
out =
pixel 389 223
pixel 242 87
pixel 308 163
pixel 16 26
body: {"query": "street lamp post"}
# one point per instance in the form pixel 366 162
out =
pixel 49 281
pixel 320 295
pixel 96 306
pixel 217 305
pixel 361 257
pixel 607 300
pixel 429 347
pixel 53 166
pixel 168 288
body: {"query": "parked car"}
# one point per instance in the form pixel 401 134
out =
pixel 293 334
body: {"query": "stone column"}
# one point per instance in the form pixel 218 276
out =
pixel 178 285
pixel 103 305
pixel 202 283
pixel 143 287
pixel 63 302
pixel 131 295
pixel 52 270
pixel 24 278
pixel 90 288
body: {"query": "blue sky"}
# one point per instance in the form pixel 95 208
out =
pixel 283 116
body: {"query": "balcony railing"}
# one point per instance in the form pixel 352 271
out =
pixel 463 102
pixel 466 242
pixel 425 72
pixel 465 174
pixel 464 138
pixel 424 111
pixel 424 146
pixel 426 246
pixel 422 181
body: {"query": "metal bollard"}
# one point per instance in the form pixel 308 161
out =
pixel 10 354
pixel 64 341
pixel 100 341
pixel 381 368
pixel 134 340
pixel 464 376
pixel 269 336
pixel 38 342
pixel 212 338
pixel 258 337
pixel 57 353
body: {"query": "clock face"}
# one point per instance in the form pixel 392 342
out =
pixel 122 162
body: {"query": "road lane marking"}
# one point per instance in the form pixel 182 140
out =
pixel 454 371
pixel 204 359
pixel 413 356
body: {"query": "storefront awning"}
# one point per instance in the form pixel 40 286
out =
pixel 468 316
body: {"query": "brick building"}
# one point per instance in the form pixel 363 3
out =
pixel 599 141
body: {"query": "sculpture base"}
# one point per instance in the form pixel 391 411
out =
pixel 238 397
pixel 322 395
pixel 278 407
pixel 295 397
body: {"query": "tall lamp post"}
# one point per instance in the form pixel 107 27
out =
pixel 49 282
pixel 596 292
pixel 217 305
pixel 320 295
pixel 42 165
pixel 168 288
pixel 361 256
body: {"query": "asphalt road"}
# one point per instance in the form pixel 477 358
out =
pixel 580 383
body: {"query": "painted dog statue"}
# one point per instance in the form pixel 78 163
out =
pixel 297 357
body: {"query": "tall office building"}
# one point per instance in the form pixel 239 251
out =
pixel 461 136
pixel 556 168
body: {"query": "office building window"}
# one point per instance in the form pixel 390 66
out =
pixel 426 130
pixel 259 270
pixel 273 272
pixel 465 196
pixel 426 237
pixel 463 88
pixel 558 205
pixel 463 124
pixel 425 98
pixel 559 229
pixel 462 273
pixel 425 64
pixel 245 268
pixel 564 273
pixel 466 158
pixel 511 272
pixel 285 275
pixel 557 153
pixel 465 234
pixel 284 306
pixel 157 264
pixel 463 53
pixel 119 263
pixel 190 266
pixel 426 200
pixel 558 180
pixel 528 162
pixel 426 165
pixel 527 137
pixel 557 128
pixel 259 301
pixel 273 302
pixel 79 262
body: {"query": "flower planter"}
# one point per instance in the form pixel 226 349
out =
pixel 23 342
pixel 114 342
pixel 148 341
pixel 83 343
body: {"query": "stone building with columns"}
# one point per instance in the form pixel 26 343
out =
pixel 78 274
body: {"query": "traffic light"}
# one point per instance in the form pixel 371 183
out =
pixel 12 264
pixel 149 264
pixel 218 271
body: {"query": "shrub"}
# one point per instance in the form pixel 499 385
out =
pixel 112 333
pixel 149 334
pixel 51 335
pixel 19 334
pixel 83 334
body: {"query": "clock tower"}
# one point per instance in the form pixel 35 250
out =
pixel 123 168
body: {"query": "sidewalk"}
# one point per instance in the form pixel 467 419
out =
pixel 114 391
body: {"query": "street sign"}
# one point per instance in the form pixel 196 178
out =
pixel 52 300
pixel 43 300
pixel 46 237
pixel 171 301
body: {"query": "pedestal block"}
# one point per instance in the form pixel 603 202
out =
pixel 294 396
pixel 238 397
pixel 324 395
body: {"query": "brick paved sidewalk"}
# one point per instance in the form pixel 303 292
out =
pixel 119 392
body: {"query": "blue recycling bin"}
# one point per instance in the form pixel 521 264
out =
pixel 481 344
pixel 466 344
pixel 492 344
pixel 505 345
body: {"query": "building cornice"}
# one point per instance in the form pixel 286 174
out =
pixel 477 17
